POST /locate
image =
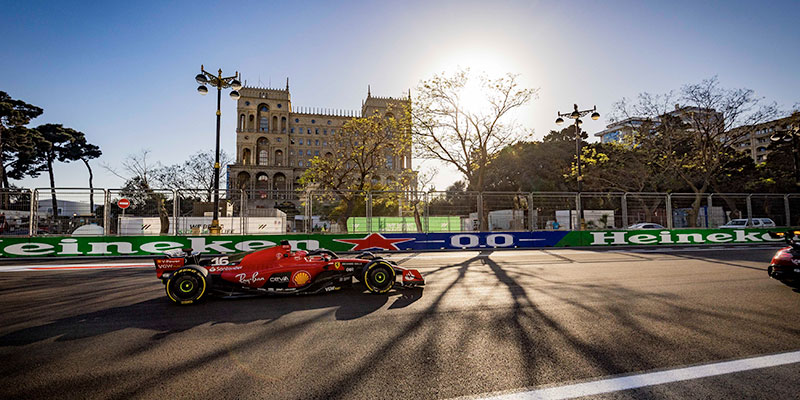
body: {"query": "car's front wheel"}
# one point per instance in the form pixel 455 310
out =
pixel 378 276
pixel 187 286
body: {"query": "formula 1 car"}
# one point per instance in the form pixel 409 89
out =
pixel 785 265
pixel 190 277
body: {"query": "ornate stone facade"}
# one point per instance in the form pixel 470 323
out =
pixel 275 142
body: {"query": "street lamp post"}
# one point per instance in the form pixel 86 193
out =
pixel 791 135
pixel 220 83
pixel 577 115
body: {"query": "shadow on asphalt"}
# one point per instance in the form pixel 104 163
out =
pixel 165 318
pixel 542 340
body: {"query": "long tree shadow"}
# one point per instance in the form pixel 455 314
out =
pixel 349 382
pixel 526 322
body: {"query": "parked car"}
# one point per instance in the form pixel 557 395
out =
pixel 750 223
pixel 646 225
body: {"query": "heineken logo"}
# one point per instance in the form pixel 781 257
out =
pixel 138 246
pixel 678 237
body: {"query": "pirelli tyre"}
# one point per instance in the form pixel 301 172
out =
pixel 187 285
pixel 378 276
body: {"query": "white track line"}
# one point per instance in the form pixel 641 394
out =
pixel 653 378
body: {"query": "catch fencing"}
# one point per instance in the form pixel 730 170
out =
pixel 182 212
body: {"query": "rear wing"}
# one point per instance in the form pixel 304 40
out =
pixel 168 264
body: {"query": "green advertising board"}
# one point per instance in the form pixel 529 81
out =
pixel 385 241
pixel 403 224
pixel 667 237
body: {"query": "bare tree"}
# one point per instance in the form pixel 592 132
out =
pixel 695 139
pixel 197 172
pixel 141 177
pixel 450 126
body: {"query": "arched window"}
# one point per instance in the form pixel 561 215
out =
pixel 279 181
pixel 283 124
pixel 250 123
pixel 241 122
pixel 274 123
pixel 246 157
pixel 262 181
pixel 389 162
pixel 243 180
pixel 263 118
pixel 263 157
pixel 376 180
pixel 278 157
pixel 262 151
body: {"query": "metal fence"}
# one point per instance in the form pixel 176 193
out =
pixel 81 211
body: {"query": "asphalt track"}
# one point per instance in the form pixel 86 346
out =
pixel 488 324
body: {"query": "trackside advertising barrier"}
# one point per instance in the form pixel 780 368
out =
pixel 144 245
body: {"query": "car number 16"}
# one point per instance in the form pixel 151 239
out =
pixel 220 261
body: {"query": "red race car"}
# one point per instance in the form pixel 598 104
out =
pixel 190 278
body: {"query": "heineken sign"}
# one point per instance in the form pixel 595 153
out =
pixel 151 245
pixel 676 237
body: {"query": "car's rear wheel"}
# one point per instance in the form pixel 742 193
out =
pixel 378 276
pixel 187 286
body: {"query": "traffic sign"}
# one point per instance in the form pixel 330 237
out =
pixel 123 203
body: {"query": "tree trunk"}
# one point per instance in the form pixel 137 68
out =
pixel 484 222
pixel 162 214
pixel 735 213
pixel 52 185
pixel 91 186
pixel 342 220
pixel 417 217
pixel 4 183
pixel 3 161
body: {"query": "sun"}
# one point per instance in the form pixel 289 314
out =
pixel 473 96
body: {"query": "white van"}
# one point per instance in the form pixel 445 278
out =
pixel 750 223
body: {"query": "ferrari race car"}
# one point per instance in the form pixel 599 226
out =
pixel 190 277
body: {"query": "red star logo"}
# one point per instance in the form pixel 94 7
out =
pixel 374 241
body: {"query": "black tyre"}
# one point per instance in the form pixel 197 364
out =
pixel 378 276
pixel 187 286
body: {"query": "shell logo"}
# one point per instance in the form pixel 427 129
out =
pixel 300 278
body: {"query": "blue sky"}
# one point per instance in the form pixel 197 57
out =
pixel 122 72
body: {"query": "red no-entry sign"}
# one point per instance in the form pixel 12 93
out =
pixel 123 203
